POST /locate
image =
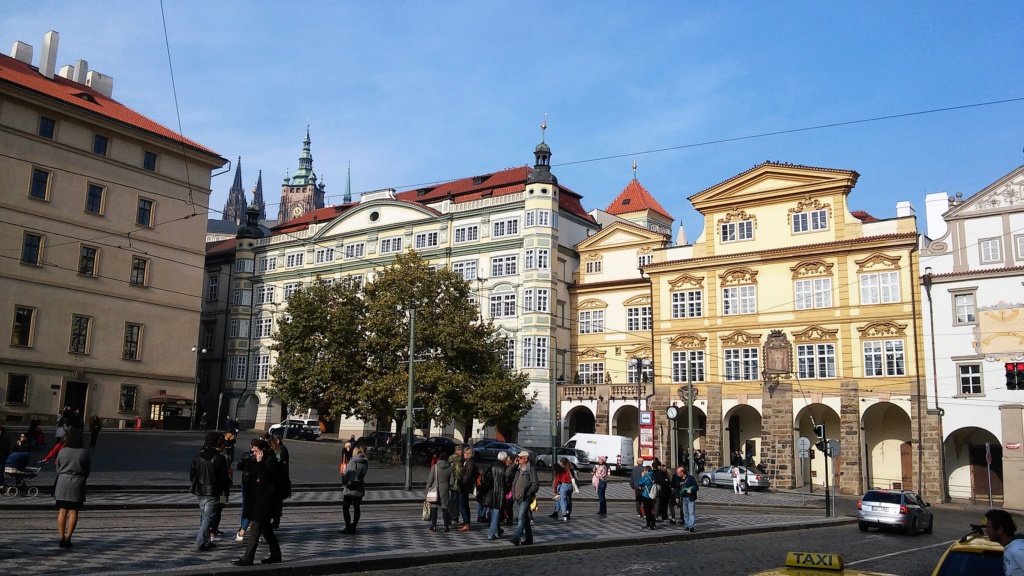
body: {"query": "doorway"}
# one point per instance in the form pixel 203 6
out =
pixel 75 394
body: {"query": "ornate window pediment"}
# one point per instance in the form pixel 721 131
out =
pixel 645 250
pixel 815 334
pixel 593 353
pixel 639 352
pixel 739 276
pixel 592 303
pixel 737 215
pixel 880 329
pixel 686 281
pixel 812 268
pixel 741 337
pixel 878 261
pixel 594 256
pixel 810 204
pixel 689 342
pixel 642 300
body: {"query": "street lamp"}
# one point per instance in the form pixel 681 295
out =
pixel 926 280
pixel 688 395
pixel 195 386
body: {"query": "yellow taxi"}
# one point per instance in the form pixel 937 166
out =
pixel 972 555
pixel 815 564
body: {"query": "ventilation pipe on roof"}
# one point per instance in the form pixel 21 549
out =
pixel 48 57
pixel 22 52
pixel 100 82
pixel 80 69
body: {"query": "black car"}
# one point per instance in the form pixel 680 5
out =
pixel 487 450
pixel 377 439
pixel 423 452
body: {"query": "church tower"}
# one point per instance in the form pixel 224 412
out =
pixel 257 197
pixel 234 208
pixel 300 193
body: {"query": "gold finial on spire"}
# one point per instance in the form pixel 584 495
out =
pixel 543 126
pixel 634 168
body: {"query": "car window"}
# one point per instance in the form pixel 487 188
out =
pixel 884 497
pixel 958 563
pixel 571 443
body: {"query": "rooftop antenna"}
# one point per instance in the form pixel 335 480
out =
pixel 543 126
pixel 634 167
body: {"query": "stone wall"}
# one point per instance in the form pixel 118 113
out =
pixel 850 462
pixel 777 449
pixel 714 431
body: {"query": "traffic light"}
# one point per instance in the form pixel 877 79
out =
pixel 1014 375
pixel 819 432
pixel 810 453
pixel 1020 375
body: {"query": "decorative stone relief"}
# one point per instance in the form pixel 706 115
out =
pixel 594 256
pixel 878 260
pixel 639 352
pixel 593 353
pixel 738 215
pixel 638 300
pixel 644 250
pixel 812 268
pixel 741 337
pixel 810 204
pixel 879 329
pixel 1006 196
pixel 592 303
pixel 815 334
pixel 739 276
pixel 686 281
pixel 689 342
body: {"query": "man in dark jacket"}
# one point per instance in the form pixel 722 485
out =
pixel 210 481
pixel 266 472
pixel 495 497
pixel 467 484
pixel 634 483
pixel 525 486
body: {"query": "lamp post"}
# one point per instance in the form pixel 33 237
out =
pixel 195 387
pixel 558 382
pixel 687 395
pixel 926 281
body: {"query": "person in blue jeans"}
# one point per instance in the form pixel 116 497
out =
pixel 600 482
pixel 496 496
pixel 525 486
pixel 562 487
pixel 210 480
pixel 688 499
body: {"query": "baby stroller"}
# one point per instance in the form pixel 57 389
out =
pixel 20 475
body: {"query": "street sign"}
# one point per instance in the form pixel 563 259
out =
pixel 988 453
pixel 803 454
pixel 833 448
pixel 803 445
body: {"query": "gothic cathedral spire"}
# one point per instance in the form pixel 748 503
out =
pixel 257 197
pixel 234 208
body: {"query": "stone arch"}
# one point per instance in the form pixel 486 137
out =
pixel 625 422
pixel 741 431
pixel 888 462
pixel 813 471
pixel 966 471
pixel 699 441
pixel 579 419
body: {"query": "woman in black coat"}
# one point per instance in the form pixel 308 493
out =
pixel 265 479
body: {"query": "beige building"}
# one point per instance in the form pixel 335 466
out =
pixel 103 249
pixel 780 258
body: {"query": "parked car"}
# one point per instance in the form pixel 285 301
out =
pixel 723 477
pixel 376 439
pixel 972 555
pixel 903 510
pixel 487 450
pixel 617 449
pixel 422 452
pixel 577 458
pixel 297 428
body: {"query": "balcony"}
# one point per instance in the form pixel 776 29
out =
pixel 603 391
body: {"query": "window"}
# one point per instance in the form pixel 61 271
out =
pixel 265 295
pixel 810 221
pixel 99 144
pixel 465 269
pixel 31 249
pixel 324 255
pixel 816 361
pixel 132 341
pixel 79 334
pixel 129 398
pixel 357 250
pixel 510 354
pixel 638 318
pixel 734 231
pixel 813 293
pixel 391 245
pixel 40 187
pixel 46 126
pixel 241 298
pixel 536 300
pixel 739 300
pixel 94 199
pixel 990 251
pixel 646 369
pixel 509 227
pixel 884 358
pixel 467 234
pixel 880 288
pixel 17 389
pixel 264 327
pixel 539 218
pixel 149 161
pixel 87 261
pixel 592 322
pixel 591 373
pixel 239 329
pixel 1019 242
pixel 688 366
pixel 687 304
pixel 209 329
pixel 741 364
pixel 964 308
pixel 261 367
pixel 294 259
pixel 212 285
pixel 426 240
pixel 22 331
pixel 244 265
pixel 594 267
pixel 504 265
pixel 355 281
pixel 535 352
pixel 238 367
pixel 970 379
pixel 503 305
pixel 644 259
pixel 144 215
pixel 291 288
pixel 268 264
pixel 140 271
pixel 537 259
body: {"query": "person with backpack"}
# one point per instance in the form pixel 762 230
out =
pixel 355 473
pixel 455 460
pixel 266 473
pixel 210 480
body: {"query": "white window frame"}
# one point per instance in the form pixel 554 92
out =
pixel 813 221
pixel 812 293
pixel 426 240
pixel 990 250
pixel 355 250
pixel 242 297
pixel 591 321
pixel 268 264
pixel 970 381
pixel 244 265
pixel 261 367
pixel 736 231
pixel 291 288
pixel 265 294
pixel 538 218
pixel 504 265
pixel 737 300
pixel 595 266
pixel 688 366
pixel 1018 242
pixel 638 318
pixel 505 227
pixel 391 244
pixel 295 259
pixel 644 260
pixel 965 308
pixel 467 269
pixel 264 327
pixel 535 352
pixel 884 358
pixel 510 353
pixel 469 233
pixel 688 304
pixel 880 288
pixel 816 361
pixel 323 255
pixel 741 364
pixel 591 373
pixel 503 305
pixel 536 300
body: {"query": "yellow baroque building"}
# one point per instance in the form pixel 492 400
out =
pixel 781 260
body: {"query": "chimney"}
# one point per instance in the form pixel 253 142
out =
pixel 67 71
pixel 81 68
pixel 48 57
pixel 100 82
pixel 903 209
pixel 22 52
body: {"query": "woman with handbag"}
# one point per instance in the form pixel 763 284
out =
pixel 355 473
pixel 563 487
pixel 438 481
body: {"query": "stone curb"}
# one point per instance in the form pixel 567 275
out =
pixel 496 551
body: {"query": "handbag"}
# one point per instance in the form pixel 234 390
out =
pixel 432 495
pixel 575 487
pixel 426 510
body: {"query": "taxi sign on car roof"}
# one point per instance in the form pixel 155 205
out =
pixel 814 560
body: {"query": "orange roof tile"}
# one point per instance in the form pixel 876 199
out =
pixel 85 98
pixel 635 198
pixel 863 216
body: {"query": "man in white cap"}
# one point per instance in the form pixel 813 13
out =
pixel 525 486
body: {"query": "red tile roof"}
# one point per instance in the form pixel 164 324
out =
pixel 863 216
pixel 635 198
pixel 320 215
pixel 218 246
pixel 85 98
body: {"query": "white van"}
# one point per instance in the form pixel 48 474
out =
pixel 617 449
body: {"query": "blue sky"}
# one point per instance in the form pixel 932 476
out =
pixel 417 92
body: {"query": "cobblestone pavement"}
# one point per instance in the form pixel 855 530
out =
pixel 137 542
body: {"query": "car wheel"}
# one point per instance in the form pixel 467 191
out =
pixel 931 522
pixel 912 528
pixel 705 480
pixel 863 526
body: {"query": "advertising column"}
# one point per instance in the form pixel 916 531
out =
pixel 647 435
